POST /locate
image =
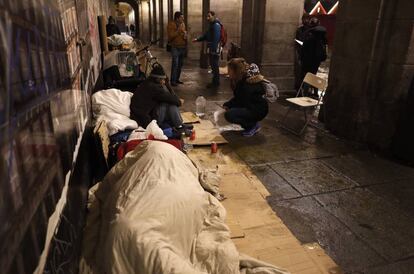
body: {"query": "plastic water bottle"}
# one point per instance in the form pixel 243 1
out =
pixel 201 106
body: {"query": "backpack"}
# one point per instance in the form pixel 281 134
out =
pixel 223 35
pixel 271 91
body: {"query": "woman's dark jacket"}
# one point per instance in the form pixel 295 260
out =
pixel 248 93
pixel 147 97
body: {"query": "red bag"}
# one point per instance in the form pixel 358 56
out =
pixel 223 35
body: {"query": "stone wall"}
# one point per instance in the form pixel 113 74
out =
pixel 194 27
pixel 144 20
pixel 281 21
pixel 229 12
pixel 371 70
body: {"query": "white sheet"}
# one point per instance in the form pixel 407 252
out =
pixel 120 39
pixel 112 105
pixel 150 215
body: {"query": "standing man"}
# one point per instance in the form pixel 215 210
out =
pixel 212 36
pixel 300 37
pixel 314 50
pixel 177 38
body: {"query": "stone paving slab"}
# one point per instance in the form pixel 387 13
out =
pixel 381 224
pixel 276 185
pixel 368 169
pixel 401 267
pixel 312 177
pixel 310 222
pixel 400 193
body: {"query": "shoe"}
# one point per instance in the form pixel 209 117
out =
pixel 182 129
pixel 180 82
pixel 252 131
pixel 174 84
pixel 212 85
pixel 188 126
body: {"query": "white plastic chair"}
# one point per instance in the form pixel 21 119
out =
pixel 304 103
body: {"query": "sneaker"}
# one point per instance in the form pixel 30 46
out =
pixel 252 131
pixel 180 82
pixel 188 126
pixel 182 129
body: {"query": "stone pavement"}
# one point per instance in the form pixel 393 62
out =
pixel 358 206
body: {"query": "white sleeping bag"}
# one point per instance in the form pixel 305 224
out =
pixel 150 215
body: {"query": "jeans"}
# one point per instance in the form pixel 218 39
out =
pixel 241 116
pixel 214 64
pixel 169 114
pixel 177 55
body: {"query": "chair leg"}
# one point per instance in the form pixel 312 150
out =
pixel 286 115
pixel 284 125
pixel 306 122
pixel 298 133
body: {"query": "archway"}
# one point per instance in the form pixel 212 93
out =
pixel 135 7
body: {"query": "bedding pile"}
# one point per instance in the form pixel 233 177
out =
pixel 120 39
pixel 112 105
pixel 151 215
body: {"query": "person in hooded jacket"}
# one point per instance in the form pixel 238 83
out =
pixel 212 36
pixel 153 100
pixel 314 49
pixel 248 105
pixel 300 36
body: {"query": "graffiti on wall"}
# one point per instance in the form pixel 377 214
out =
pixel 42 112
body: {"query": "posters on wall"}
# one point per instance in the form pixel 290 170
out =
pixel 43 110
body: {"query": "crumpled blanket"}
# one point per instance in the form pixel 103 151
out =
pixel 120 39
pixel 151 215
pixel 143 134
pixel 112 105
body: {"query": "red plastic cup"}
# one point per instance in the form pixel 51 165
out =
pixel 193 136
pixel 213 147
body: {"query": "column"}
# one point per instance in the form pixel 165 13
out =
pixel 161 22
pixel 194 27
pixel 277 57
pixel 371 71
pixel 203 51
pixel 154 20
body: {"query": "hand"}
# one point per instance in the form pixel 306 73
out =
pixel 182 101
pixel 194 40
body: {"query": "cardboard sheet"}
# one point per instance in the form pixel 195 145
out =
pixel 190 118
pixel 206 133
pixel 255 228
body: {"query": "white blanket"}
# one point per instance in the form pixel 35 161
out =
pixel 120 39
pixel 112 105
pixel 150 215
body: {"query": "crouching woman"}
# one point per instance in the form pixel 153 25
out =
pixel 248 105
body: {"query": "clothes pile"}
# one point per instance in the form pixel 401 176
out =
pixel 112 105
pixel 120 39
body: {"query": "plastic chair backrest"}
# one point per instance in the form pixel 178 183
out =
pixel 315 81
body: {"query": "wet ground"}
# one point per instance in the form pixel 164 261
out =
pixel 358 206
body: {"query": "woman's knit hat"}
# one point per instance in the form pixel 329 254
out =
pixel 253 74
pixel 158 72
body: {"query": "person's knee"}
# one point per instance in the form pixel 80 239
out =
pixel 172 107
pixel 228 116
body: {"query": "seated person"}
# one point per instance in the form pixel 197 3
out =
pixel 111 27
pixel 248 106
pixel 153 100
